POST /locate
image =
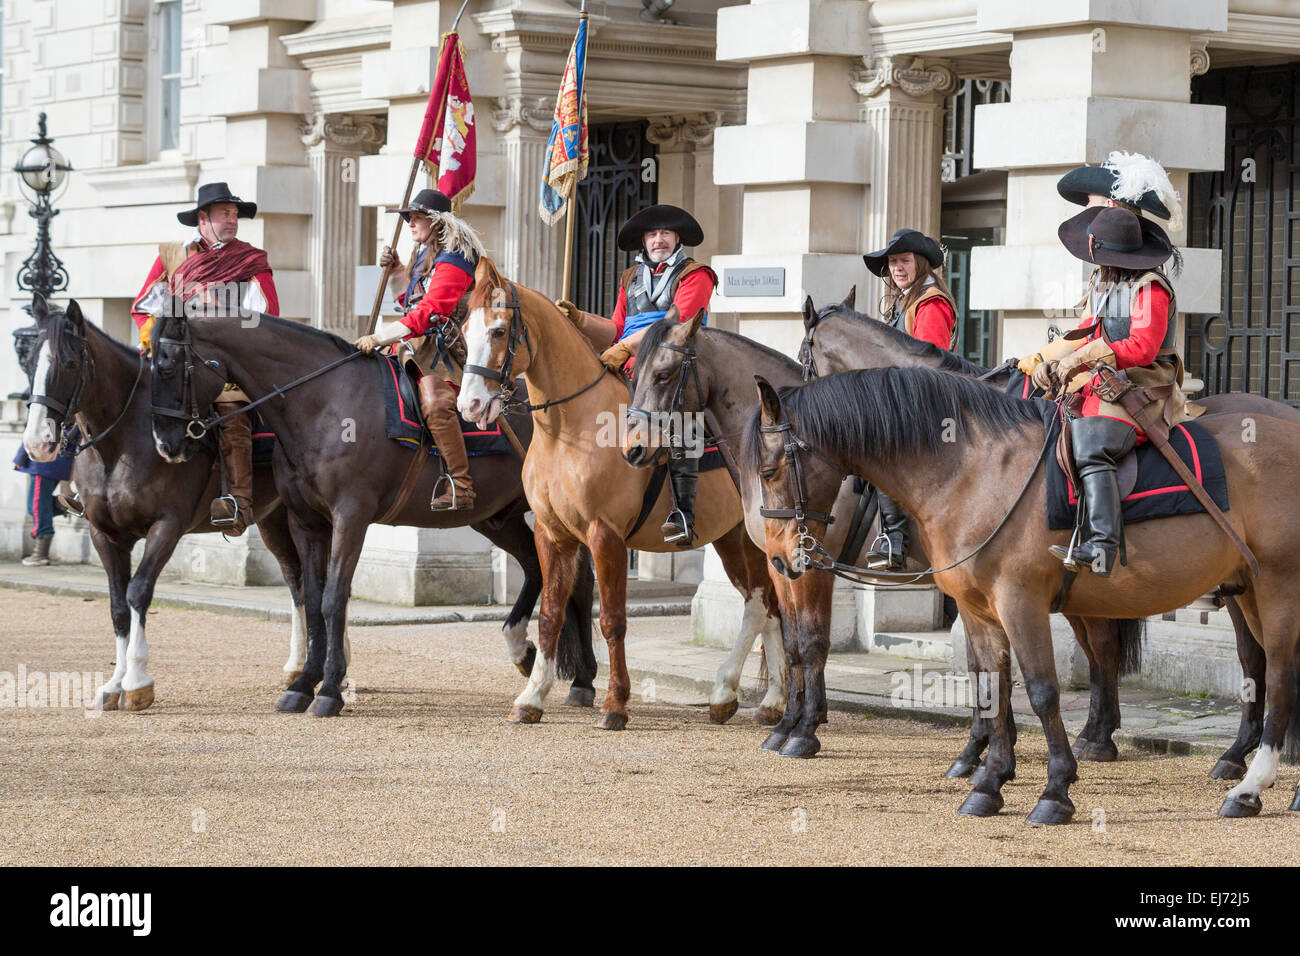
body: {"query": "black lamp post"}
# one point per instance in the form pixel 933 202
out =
pixel 42 172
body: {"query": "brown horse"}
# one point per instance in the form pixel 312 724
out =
pixel 583 492
pixel 896 427
pixel 839 339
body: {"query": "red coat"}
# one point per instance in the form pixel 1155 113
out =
pixel 692 296
pixel 445 285
pixel 1148 324
pixel 935 320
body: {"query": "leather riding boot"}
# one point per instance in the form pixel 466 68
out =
pixel 41 556
pixel 1099 443
pixel 233 511
pixel 890 550
pixel 438 404
pixel 684 473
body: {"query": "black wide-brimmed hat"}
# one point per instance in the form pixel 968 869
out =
pixel 632 235
pixel 905 240
pixel 426 201
pixel 1078 184
pixel 1115 236
pixel 210 193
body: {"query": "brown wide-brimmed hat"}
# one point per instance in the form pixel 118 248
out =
pixel 210 194
pixel 1114 236
pixel 904 240
pixel 632 236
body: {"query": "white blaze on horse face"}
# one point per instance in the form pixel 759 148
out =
pixel 476 403
pixel 38 436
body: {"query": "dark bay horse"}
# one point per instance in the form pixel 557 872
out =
pixel 893 427
pixel 338 472
pixel 840 339
pixel 584 493
pixel 128 492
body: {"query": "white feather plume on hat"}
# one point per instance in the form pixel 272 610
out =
pixel 1136 175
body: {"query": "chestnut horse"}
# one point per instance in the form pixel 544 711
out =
pixel 130 494
pixel 583 492
pixel 840 339
pixel 892 426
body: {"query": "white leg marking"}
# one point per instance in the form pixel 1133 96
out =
pixel 751 621
pixel 137 656
pixel 1260 776
pixel 297 640
pixel 539 684
pixel 516 641
pixel 114 684
pixel 774 651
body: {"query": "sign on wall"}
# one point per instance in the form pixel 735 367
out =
pixel 753 282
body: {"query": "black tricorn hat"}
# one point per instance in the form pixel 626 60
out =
pixel 426 201
pixel 1078 184
pixel 1115 236
pixel 210 193
pixel 905 240
pixel 632 235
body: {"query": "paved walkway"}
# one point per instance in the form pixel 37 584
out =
pixel 667 654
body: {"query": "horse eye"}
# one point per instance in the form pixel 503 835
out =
pixel 662 377
pixel 498 333
pixel 767 474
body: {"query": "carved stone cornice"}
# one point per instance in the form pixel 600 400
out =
pixel 344 131
pixel 682 131
pixel 534 112
pixel 913 75
pixel 1200 61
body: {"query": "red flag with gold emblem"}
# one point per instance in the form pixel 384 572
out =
pixel 447 141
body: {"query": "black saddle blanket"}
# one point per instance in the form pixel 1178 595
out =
pixel 1159 492
pixel 404 422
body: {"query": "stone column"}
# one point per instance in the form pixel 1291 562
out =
pixel 685 169
pixel 531 252
pixel 902 104
pixel 335 145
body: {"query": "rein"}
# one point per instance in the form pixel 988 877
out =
pixel 808 544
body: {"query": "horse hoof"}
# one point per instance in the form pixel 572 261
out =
pixel 1246 805
pixel 581 697
pixel 961 768
pixel 768 716
pixel 525 714
pixel 109 701
pixel 1101 752
pixel 721 713
pixel 324 706
pixel 1295 804
pixel 1228 770
pixel 138 699
pixel 1050 813
pixel 775 741
pixel 981 804
pixel 801 747
pixel 292 702
pixel 609 720
pixel 526 665
pixel 288 679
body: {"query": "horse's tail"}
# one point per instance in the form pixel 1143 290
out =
pixel 1131 631
pixel 1291 743
pixel 574 656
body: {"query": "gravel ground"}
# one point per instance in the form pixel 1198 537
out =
pixel 422 768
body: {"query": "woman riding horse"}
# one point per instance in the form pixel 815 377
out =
pixel 918 302
pixel 1131 324
pixel 441 270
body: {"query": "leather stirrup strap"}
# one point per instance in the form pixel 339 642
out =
pixel 409 481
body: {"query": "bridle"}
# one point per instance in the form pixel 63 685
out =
pixel 66 412
pixel 687 371
pixel 806 361
pixel 810 553
pixel 504 377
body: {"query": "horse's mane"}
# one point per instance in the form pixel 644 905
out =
pixel 654 336
pixel 287 325
pixel 945 361
pixel 889 413
pixel 60 335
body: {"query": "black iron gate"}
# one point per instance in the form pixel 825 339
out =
pixel 622 176
pixel 1251 211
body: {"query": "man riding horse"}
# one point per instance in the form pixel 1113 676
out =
pixel 664 276
pixel 215 273
pixel 441 270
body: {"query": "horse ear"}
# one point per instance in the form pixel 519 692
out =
pixel 40 310
pixel 770 401
pixel 850 300
pixel 809 314
pixel 73 312
pixel 486 271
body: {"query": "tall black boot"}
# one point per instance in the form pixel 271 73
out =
pixel 890 550
pixel 684 473
pixel 1099 443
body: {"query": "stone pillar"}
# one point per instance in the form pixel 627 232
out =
pixel 531 252
pixel 685 168
pixel 1088 78
pixel 902 104
pixel 335 145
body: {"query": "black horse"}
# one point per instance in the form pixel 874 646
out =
pixel 338 473
pixel 129 493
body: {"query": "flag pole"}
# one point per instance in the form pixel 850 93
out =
pixel 573 197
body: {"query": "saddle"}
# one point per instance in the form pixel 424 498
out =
pixel 1126 468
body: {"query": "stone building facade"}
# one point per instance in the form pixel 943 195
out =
pixel 800 132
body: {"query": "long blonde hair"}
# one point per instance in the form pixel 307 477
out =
pixel 895 297
pixel 453 235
